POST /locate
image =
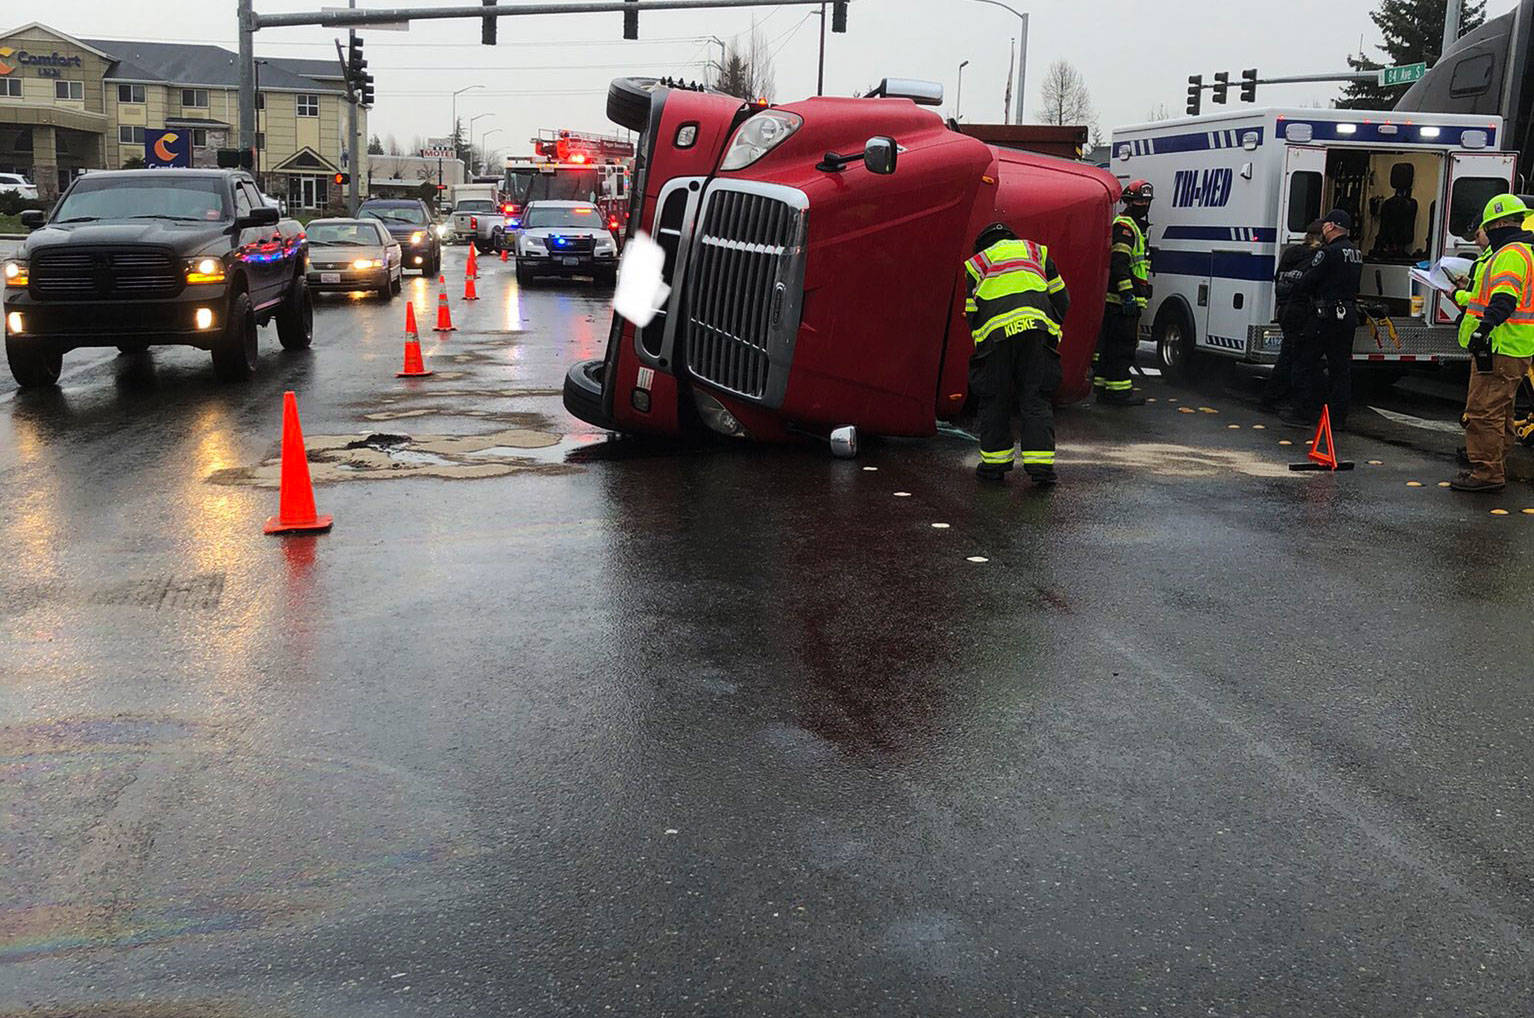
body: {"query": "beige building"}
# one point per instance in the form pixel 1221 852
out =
pixel 68 104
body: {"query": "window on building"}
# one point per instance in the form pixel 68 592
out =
pixel 199 137
pixel 10 88
pixel 69 90
pixel 130 93
pixel 260 140
pixel 308 105
pixel 260 100
pixel 130 135
pixel 197 97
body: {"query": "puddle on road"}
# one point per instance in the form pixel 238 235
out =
pixel 378 456
pixel 1168 460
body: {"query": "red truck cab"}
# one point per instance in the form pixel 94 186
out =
pixel 814 253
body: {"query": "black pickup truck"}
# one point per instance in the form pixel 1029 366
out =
pixel 135 258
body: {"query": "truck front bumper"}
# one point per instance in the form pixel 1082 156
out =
pixel 568 265
pixel 70 325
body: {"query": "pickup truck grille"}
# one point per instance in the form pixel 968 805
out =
pixel 96 273
pixel 745 288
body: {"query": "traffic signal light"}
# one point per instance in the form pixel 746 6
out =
pixel 839 16
pixel 365 97
pixel 1220 90
pixel 342 178
pixel 355 65
pixel 631 21
pixel 487 30
pixel 1249 85
pixel 1195 87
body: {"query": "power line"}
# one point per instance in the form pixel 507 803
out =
pixel 439 69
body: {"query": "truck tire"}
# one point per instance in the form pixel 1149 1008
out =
pixel 295 319
pixel 1175 341
pixel 524 277
pixel 628 103
pixel 482 247
pixel 33 368
pixel 235 352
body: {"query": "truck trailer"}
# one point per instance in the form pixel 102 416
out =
pixel 814 252
pixel 1232 189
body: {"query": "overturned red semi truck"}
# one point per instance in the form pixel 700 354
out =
pixel 814 252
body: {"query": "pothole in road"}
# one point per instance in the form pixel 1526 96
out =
pixel 386 455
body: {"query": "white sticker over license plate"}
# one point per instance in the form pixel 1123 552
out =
pixel 330 277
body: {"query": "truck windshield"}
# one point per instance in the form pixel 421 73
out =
pixel 344 234
pixel 588 218
pixel 193 199
pixel 523 186
pixel 411 214
pixel 474 205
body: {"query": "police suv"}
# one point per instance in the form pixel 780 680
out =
pixel 1232 189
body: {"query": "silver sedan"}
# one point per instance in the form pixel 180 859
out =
pixel 354 254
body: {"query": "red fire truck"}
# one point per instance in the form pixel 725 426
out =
pixel 570 166
pixel 814 254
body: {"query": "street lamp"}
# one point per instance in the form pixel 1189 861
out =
pixel 1022 56
pixel 475 117
pixel 484 155
pixel 461 91
pixel 958 102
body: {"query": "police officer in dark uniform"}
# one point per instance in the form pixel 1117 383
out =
pixel 1330 285
pixel 1294 316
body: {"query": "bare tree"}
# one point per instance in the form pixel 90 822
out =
pixel 747 69
pixel 391 146
pixel 1065 96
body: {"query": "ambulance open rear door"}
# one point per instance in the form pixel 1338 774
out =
pixel 1474 179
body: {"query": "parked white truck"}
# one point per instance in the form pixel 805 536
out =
pixel 478 216
pixel 1232 189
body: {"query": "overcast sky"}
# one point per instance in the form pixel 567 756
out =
pixel 553 71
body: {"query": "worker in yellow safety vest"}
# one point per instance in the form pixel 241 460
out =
pixel 1498 330
pixel 1016 305
pixel 1129 292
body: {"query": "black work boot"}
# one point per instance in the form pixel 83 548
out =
pixel 1468 482
pixel 994 472
pixel 1129 397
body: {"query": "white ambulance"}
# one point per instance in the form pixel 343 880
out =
pixel 1232 189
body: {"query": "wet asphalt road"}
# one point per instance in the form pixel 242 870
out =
pixel 630 729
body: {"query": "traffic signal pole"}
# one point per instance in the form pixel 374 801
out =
pixel 250 22
pixel 354 167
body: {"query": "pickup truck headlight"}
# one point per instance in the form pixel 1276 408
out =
pixel 417 237
pixel 758 136
pixel 16 274
pixel 204 270
pixel 368 263
pixel 533 244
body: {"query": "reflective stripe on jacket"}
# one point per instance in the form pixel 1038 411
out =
pixel 1509 270
pixel 1134 287
pixel 1010 289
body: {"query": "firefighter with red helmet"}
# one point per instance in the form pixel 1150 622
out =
pixel 1129 291
pixel 1016 302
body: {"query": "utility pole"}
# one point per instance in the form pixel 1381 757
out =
pixel 247 19
pixel 1451 16
pixel 820 78
pixel 354 168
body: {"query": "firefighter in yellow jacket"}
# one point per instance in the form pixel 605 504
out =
pixel 1017 302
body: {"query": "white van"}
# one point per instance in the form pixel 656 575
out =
pixel 1232 189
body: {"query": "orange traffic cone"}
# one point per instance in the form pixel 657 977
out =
pixel 469 292
pixel 410 329
pixel 444 317
pixel 473 270
pixel 503 254
pixel 414 367
pixel 295 496
pixel 1323 451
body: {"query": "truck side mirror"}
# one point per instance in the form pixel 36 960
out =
pixel 262 216
pixel 33 219
pixel 880 155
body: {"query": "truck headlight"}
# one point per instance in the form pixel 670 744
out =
pixel 417 237
pixel 204 270
pixel 758 136
pixel 16 274
pixel 531 244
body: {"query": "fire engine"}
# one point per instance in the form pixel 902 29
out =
pixel 570 166
pixel 814 253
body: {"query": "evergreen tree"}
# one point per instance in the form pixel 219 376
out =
pixel 1413 33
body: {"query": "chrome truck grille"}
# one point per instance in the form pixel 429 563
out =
pixel 745 288
pixel 94 273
